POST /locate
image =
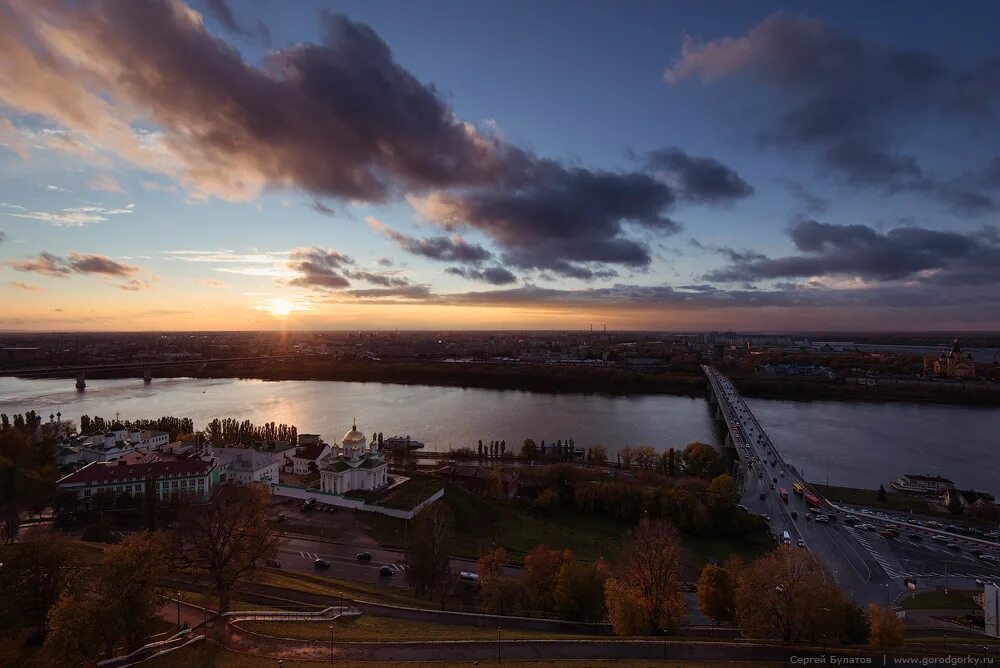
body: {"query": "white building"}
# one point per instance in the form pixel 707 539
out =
pixel 306 458
pixel 246 465
pixel 118 441
pixel 358 466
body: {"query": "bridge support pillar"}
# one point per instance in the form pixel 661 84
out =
pixel 729 440
pixel 147 376
pixel 718 413
pixel 81 381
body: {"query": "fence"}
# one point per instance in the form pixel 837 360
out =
pixel 303 493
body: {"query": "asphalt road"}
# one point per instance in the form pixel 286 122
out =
pixel 869 567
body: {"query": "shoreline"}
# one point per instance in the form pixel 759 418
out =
pixel 543 379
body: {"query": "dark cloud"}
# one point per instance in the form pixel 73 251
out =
pixel 54 266
pixel 386 280
pixel 322 208
pixel 318 268
pixel 338 118
pixel 386 262
pixel 444 249
pixel 560 219
pixel 699 179
pixel 844 97
pixel 221 12
pixel 903 253
pixel 811 202
pixel 329 269
pixel 83 263
pixel 407 292
pixel 45 263
pixel 492 275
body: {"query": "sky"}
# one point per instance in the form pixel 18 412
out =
pixel 224 165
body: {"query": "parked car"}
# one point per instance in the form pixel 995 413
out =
pixel 822 519
pixel 955 546
pixel 386 571
pixel 364 556
pixel 802 543
pixel 763 496
pixel 321 563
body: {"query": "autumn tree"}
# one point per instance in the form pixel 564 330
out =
pixel 625 457
pixel 886 631
pixel 579 588
pixel 722 494
pixel 227 539
pixel 538 576
pixel 701 459
pixel 428 550
pixel 645 456
pixel 529 450
pixel 787 593
pixel 33 575
pixel 717 592
pixel 122 595
pixel 598 455
pixel 498 591
pixel 644 595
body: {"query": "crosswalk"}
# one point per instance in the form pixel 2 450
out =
pixel 312 556
pixel 895 570
pixel 888 564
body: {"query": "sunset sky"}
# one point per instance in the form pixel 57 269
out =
pixel 525 165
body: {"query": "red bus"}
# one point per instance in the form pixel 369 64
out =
pixel 812 501
pixel 783 493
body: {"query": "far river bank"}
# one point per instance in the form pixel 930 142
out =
pixel 565 379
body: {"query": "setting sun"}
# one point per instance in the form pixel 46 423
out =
pixel 281 308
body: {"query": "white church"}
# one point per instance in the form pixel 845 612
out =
pixel 357 465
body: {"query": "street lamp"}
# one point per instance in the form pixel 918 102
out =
pixel 499 629
pixel 331 644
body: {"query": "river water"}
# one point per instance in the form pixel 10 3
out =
pixel 855 444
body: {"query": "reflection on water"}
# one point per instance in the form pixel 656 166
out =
pixel 851 443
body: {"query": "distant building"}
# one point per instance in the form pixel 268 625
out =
pixel 306 458
pixel 192 477
pixel 931 485
pixel 118 441
pixel 952 363
pixel 359 466
pixel 799 371
pixel 246 465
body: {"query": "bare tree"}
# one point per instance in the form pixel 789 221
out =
pixel 227 539
pixel 427 550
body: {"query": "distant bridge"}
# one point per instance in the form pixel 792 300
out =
pixel 80 371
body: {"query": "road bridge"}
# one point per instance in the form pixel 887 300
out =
pixel 867 565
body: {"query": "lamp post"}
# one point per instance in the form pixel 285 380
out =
pixel 177 600
pixel 331 644
pixel 499 629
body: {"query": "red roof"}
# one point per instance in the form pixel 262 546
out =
pixel 97 472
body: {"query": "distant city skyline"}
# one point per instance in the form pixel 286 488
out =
pixel 674 166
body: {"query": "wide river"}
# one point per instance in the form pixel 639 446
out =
pixel 856 444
